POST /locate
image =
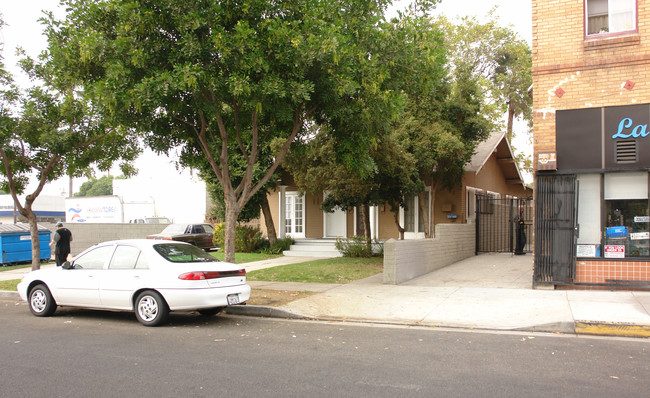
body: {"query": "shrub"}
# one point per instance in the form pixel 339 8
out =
pixel 219 234
pixel 280 246
pixel 247 239
pixel 356 247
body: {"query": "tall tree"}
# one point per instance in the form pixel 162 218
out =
pixel 207 74
pixel 51 131
pixel 444 127
pixel 429 143
pixel 498 60
pixel 56 134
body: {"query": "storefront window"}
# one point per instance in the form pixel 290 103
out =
pixel 589 220
pixel 626 215
pixel 627 228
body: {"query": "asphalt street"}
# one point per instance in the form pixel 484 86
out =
pixel 81 353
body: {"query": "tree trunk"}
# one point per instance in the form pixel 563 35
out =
pixel 36 244
pixel 425 211
pixel 27 212
pixel 399 227
pixel 511 117
pixel 232 212
pixel 365 219
pixel 268 220
pixel 432 206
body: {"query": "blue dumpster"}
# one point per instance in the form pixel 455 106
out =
pixel 16 243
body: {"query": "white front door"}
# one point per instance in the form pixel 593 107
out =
pixel 335 224
pixel 294 222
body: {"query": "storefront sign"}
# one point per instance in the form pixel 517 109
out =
pixel 640 130
pixel 615 251
pixel 604 138
pixel 546 161
pixel 641 218
pixel 640 235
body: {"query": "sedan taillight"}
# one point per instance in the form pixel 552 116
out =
pixel 202 275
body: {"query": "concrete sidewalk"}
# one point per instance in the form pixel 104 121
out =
pixel 489 291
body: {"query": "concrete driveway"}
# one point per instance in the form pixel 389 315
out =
pixel 488 270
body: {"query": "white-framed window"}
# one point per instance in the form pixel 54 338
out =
pixel 412 218
pixel 470 203
pixel 610 16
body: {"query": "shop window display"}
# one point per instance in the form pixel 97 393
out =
pixel 623 229
pixel 627 233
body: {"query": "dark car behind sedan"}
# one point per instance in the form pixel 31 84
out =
pixel 199 235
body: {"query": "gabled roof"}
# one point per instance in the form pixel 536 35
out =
pixel 498 144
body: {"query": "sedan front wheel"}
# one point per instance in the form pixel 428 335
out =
pixel 41 302
pixel 151 309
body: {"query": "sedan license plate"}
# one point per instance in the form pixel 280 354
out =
pixel 233 299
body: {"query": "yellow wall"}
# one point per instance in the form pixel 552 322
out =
pixel 591 72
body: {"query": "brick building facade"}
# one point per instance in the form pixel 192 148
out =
pixel 591 85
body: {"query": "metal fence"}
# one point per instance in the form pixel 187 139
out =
pixel 495 223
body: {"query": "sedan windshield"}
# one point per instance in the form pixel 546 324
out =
pixel 180 253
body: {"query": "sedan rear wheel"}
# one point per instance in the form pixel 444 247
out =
pixel 41 302
pixel 151 309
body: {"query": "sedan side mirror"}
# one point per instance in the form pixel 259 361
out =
pixel 67 265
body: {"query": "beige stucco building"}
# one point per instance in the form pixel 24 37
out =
pixel 492 170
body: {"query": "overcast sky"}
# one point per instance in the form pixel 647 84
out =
pixel 23 30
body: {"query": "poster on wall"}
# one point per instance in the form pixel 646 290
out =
pixel 586 251
pixel 615 251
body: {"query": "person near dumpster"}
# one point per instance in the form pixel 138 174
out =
pixel 520 228
pixel 61 242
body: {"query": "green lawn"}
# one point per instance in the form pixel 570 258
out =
pixel 335 270
pixel 246 257
pixel 9 285
pixel 10 267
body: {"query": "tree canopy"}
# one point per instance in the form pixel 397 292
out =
pixel 97 186
pixel 439 123
pixel 222 79
pixel 498 60
pixel 52 130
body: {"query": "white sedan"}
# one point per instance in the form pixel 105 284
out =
pixel 150 277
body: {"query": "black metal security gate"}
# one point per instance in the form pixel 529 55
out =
pixel 495 223
pixel 555 234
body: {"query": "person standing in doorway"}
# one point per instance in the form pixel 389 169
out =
pixel 520 228
pixel 61 241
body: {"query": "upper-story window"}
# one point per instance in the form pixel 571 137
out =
pixel 610 16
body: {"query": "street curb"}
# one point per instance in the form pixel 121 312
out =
pixel 593 328
pixel 622 329
pixel 257 310
pixel 250 310
pixel 553 327
pixel 9 294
